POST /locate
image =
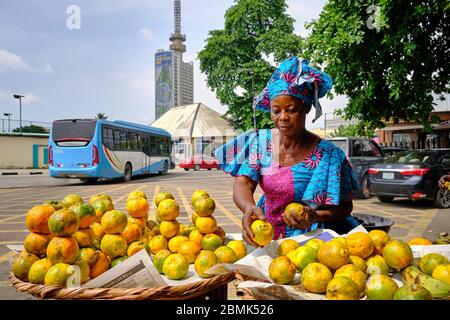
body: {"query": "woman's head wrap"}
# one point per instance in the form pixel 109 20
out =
pixel 297 79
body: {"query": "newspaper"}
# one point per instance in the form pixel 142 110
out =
pixel 137 271
pixel 420 251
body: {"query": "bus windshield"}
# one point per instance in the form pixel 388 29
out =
pixel 73 133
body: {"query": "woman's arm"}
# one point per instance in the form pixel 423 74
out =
pixel 310 216
pixel 443 180
pixel 243 190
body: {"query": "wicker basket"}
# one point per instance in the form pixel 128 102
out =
pixel 214 288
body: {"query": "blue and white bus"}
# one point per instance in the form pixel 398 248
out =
pixel 90 149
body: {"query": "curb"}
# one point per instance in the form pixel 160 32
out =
pixel 16 173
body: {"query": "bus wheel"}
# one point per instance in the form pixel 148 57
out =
pixel 127 172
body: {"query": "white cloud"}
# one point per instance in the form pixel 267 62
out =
pixel 29 99
pixel 146 33
pixel 13 62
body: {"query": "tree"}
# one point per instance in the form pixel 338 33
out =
pixel 353 130
pixel 32 129
pixel 101 115
pixel 254 30
pixel 388 58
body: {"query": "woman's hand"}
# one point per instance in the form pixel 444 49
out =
pixel 251 214
pixel 443 180
pixel 300 221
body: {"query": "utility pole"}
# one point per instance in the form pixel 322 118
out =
pixel 18 96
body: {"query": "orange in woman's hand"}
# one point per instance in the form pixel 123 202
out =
pixel 262 232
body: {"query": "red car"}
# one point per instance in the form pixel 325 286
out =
pixel 198 162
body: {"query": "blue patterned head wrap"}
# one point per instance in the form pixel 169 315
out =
pixel 297 79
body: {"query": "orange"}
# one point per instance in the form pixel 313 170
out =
pixel 342 288
pixel 225 254
pixel 22 264
pixel 185 230
pixel 442 272
pixel 377 265
pixel 430 261
pixel 98 230
pixel 158 259
pixel 99 196
pixel 114 221
pixel 90 255
pixel 419 241
pixel 204 261
pixel 37 272
pixel 86 214
pixel 147 235
pixel 71 199
pixel 262 232
pixel 196 236
pixel 168 210
pixel 114 245
pixel 101 206
pixel 175 242
pixel 286 246
pixel 118 260
pixel 36 243
pixel 359 244
pixel 353 273
pixel 238 247
pixel 206 224
pixel 221 233
pixel 295 208
pixel 136 194
pixel 281 270
pixel 150 224
pixel 137 207
pixel 140 222
pixel 157 243
pixel 358 262
pixel 339 239
pixel 85 237
pixel 63 222
pixel 37 218
pixel 137 246
pixel 204 207
pixel 379 238
pixel 169 229
pixel 315 277
pixel 84 270
pixel 398 254
pixel 62 249
pixel 211 242
pixel 302 256
pixel 101 265
pixel 413 292
pixel 160 196
pixel 132 233
pixel 199 194
pixel 315 243
pixel 194 217
pixel 334 254
pixel 175 266
pixel 57 205
pixel 58 274
pixel 190 250
pixel 381 287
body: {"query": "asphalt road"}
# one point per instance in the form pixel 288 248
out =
pixel 411 219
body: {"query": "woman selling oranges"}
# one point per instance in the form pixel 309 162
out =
pixel 291 164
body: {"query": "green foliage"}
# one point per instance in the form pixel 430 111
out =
pixel 387 56
pixel 101 115
pixel 353 130
pixel 254 29
pixel 32 129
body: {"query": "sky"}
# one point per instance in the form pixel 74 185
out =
pixel 104 61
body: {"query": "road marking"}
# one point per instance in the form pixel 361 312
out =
pixel 23 222
pixel 153 209
pixel 14 231
pixel 7 256
pixel 425 221
pixel 13 217
pixel 5 284
pixel 10 242
pixel 126 195
pixel 228 213
pixel 185 202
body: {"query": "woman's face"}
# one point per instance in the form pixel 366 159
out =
pixel 288 114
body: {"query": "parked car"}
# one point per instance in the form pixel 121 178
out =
pixel 412 174
pixel 390 151
pixel 198 162
pixel 362 153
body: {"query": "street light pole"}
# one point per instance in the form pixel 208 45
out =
pixel 18 96
pixel 9 120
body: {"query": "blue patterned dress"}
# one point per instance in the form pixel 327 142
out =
pixel 323 178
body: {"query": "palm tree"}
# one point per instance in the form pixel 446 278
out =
pixel 101 115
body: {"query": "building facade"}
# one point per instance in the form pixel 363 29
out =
pixel 30 150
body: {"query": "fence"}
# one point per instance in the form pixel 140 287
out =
pixel 424 144
pixel 28 126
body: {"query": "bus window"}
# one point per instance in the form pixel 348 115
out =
pixel 123 144
pixel 73 133
pixel 116 139
pixel 108 137
pixel 153 146
pixel 132 141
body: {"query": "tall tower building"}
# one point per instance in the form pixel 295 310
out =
pixel 174 78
